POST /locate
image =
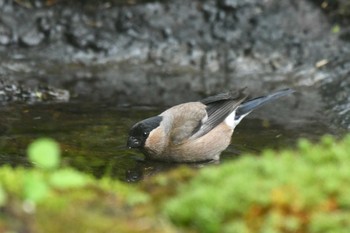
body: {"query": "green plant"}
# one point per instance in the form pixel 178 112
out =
pixel 44 153
pixel 304 190
pixel 50 198
pixel 2 196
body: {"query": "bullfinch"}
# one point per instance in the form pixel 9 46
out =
pixel 195 131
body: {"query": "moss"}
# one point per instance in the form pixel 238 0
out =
pixel 304 190
pixel 104 205
pixel 50 198
pixel 165 185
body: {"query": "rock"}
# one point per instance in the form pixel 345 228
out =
pixel 32 37
pixel 234 4
pixel 12 91
pixel 170 48
pixel 45 24
pixel 5 35
pixel 80 35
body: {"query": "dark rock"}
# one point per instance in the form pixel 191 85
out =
pixel 335 91
pixel 46 24
pixel 81 36
pixel 345 34
pixel 32 37
pixel 124 22
pixel 5 35
pixel 234 4
pixel 209 12
pixel 104 41
pixel 12 91
pixel 167 33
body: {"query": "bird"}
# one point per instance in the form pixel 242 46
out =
pixel 195 131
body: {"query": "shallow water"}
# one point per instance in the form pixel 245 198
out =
pixel 93 136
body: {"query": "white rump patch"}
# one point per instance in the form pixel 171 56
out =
pixel 231 121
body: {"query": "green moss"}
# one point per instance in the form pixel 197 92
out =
pixel 301 190
pixel 53 199
pixel 287 191
pixel 37 202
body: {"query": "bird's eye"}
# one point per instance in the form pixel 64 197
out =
pixel 145 133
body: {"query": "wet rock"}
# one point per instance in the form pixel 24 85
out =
pixel 335 91
pixel 338 10
pixel 345 34
pixel 11 91
pixel 167 33
pixel 234 4
pixel 5 35
pixel 124 22
pixel 46 24
pixel 32 37
pixel 104 41
pixel 79 34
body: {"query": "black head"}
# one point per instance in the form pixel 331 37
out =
pixel 139 132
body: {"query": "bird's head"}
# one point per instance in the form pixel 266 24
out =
pixel 140 131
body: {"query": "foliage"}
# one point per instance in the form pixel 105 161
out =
pixel 2 196
pixel 336 29
pixel 304 190
pixel 49 198
pixel 44 153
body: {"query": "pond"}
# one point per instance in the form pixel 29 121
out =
pixel 93 136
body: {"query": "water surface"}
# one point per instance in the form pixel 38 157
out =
pixel 93 136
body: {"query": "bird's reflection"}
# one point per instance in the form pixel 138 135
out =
pixel 147 168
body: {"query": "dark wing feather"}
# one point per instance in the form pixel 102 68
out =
pixel 218 108
pixel 250 105
pixel 231 95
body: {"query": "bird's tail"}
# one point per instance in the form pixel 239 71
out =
pixel 249 105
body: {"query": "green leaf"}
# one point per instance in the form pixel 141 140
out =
pixel 68 178
pixel 45 153
pixel 336 29
pixel 35 187
pixel 2 196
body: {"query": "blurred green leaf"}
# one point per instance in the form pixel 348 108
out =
pixel 2 196
pixel 67 178
pixel 336 29
pixel 35 187
pixel 45 153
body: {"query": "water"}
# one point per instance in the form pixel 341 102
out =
pixel 93 136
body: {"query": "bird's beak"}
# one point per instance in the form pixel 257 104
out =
pixel 133 143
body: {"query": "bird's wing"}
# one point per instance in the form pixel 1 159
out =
pixel 195 119
pixel 218 107
pixel 181 121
